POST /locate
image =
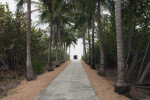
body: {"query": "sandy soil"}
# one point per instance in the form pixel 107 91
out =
pixel 28 90
pixel 102 86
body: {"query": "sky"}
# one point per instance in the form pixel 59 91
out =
pixel 12 6
pixel 75 50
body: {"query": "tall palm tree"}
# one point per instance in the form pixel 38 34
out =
pixel 53 9
pixel 89 42
pixel 59 36
pixel 102 60
pixel 61 12
pixel 121 86
pixel 92 53
pixel 30 73
pixel 50 43
pixel 46 16
pixel 56 39
pixel 48 12
pixel 84 45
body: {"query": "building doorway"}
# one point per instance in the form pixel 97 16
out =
pixel 75 57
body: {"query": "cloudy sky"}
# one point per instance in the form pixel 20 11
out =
pixel 77 50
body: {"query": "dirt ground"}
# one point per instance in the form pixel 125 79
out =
pixel 136 93
pixel 103 87
pixel 29 90
pixel 8 84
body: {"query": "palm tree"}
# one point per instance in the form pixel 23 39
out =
pixel 30 74
pixel 47 13
pixel 84 45
pixel 89 42
pixel 121 86
pixel 56 39
pixel 61 12
pixel 50 44
pixel 59 36
pixel 92 53
pixel 102 62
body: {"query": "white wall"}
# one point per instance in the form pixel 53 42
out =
pixel 77 49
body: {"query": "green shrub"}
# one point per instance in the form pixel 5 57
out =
pixel 68 57
pixel 37 67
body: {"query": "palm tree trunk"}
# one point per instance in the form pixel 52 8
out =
pixel 30 73
pixel 57 56
pixel 50 44
pixel 59 35
pixel 84 45
pixel 64 52
pixel 121 86
pixel 93 54
pixel 89 40
pixel 57 47
pixel 102 60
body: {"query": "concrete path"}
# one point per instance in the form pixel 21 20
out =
pixel 71 84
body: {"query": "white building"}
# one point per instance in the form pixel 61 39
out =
pixel 76 49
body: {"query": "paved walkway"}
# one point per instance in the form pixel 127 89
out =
pixel 71 84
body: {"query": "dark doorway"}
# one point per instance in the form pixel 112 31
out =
pixel 75 57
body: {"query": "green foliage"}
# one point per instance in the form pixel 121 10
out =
pixel 136 34
pixel 96 52
pixel 13 40
pixel 37 66
pixel 68 57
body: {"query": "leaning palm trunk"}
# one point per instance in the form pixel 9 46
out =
pixel 30 73
pixel 84 46
pixel 102 60
pixel 121 86
pixel 135 57
pixel 146 71
pixel 59 35
pixel 141 67
pixel 93 54
pixel 50 45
